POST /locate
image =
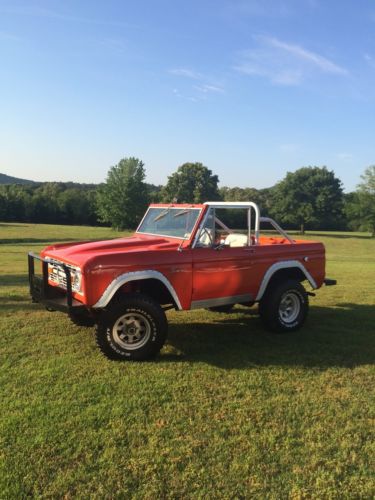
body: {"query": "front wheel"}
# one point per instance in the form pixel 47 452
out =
pixel 135 328
pixel 284 307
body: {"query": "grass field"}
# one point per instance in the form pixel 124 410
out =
pixel 226 411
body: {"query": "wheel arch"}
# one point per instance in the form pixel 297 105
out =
pixel 281 271
pixel 150 282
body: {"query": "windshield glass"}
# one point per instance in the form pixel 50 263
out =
pixel 173 222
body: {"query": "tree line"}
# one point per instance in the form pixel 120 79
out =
pixel 309 198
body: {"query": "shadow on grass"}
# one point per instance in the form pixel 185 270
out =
pixel 35 241
pixel 339 336
pixel 14 279
pixel 12 304
pixel 14 298
pixel 340 236
pixel 9 224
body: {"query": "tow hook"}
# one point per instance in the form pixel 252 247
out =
pixel 329 282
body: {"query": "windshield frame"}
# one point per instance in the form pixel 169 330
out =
pixel 175 207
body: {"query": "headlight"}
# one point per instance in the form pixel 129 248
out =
pixel 76 276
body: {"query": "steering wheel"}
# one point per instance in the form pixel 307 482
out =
pixel 207 232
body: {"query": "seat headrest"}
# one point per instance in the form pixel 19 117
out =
pixel 236 240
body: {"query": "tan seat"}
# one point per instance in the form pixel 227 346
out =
pixel 236 240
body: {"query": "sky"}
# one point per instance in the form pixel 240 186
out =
pixel 253 89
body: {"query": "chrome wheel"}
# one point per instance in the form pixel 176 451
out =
pixel 290 307
pixel 131 331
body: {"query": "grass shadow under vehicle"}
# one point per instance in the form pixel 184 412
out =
pixel 341 335
pixel 333 336
pixel 14 280
pixel 14 303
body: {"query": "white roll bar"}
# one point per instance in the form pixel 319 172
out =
pixel 277 227
pixel 241 204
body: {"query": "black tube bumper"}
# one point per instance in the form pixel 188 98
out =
pixel 329 282
pixel 54 298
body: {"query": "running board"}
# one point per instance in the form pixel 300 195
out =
pixel 221 301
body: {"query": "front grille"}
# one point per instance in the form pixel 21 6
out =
pixel 56 275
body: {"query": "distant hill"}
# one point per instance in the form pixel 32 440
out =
pixel 8 179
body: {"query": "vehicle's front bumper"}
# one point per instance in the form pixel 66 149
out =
pixel 52 297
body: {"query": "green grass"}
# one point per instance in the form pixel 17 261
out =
pixel 226 411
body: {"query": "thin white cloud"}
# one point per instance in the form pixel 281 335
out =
pixel 9 37
pixel 29 10
pixel 41 12
pixel 285 63
pixel 266 8
pixel 202 87
pixel 257 8
pixel 370 60
pixel 116 45
pixel 186 73
pixel 191 98
pixel 205 88
pixel 299 52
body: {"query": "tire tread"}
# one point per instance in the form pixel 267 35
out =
pixel 269 306
pixel 149 350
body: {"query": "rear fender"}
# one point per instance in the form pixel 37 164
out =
pixel 288 264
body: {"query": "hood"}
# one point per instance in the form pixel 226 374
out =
pixel 79 253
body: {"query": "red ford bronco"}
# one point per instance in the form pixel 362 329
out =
pixel 182 257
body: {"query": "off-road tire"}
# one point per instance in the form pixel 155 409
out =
pixel 134 328
pixel 284 307
pixel 81 319
pixel 222 309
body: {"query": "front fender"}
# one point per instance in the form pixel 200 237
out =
pixel 121 280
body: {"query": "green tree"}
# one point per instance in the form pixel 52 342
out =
pixel 74 206
pixel 191 183
pixel 368 181
pixel 43 204
pixel 258 196
pixel 122 200
pixel 154 192
pixel 360 206
pixel 13 198
pixel 310 196
pixel 234 218
pixel 3 205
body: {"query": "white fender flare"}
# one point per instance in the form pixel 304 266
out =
pixel 135 276
pixel 286 264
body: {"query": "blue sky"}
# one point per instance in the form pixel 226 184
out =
pixel 250 88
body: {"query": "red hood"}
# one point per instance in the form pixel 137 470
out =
pixel 81 252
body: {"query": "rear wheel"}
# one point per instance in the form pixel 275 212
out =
pixel 284 307
pixel 133 329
